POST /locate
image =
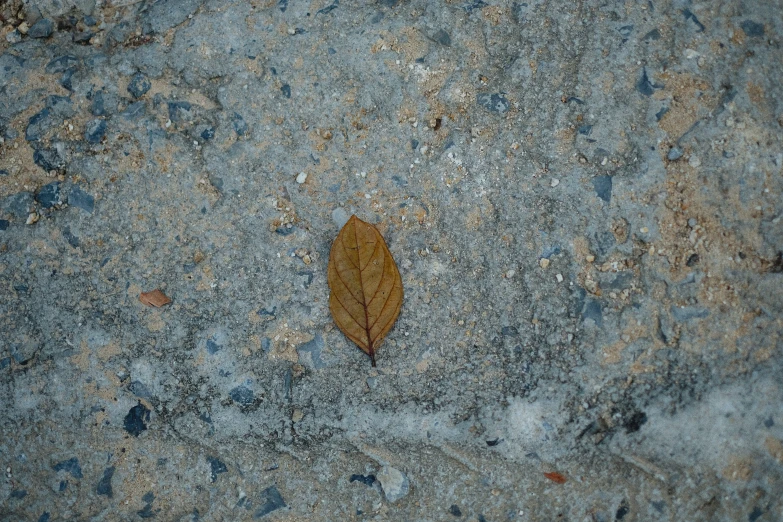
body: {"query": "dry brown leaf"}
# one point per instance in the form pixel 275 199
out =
pixel 366 286
pixel 155 298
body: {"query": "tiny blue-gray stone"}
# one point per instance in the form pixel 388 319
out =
pixel 240 127
pixel 104 486
pixel 585 130
pixel 179 111
pixel 603 187
pixel 751 28
pixel 139 85
pixel 44 517
pixel 242 395
pixel 270 501
pixel 3 172
pixel 97 108
pixel 72 239
pixel 90 21
pixel 18 204
pixel 286 90
pixel 495 102
pixel 593 311
pixel 674 154
pixel 70 466
pixel 61 64
pixel 48 159
pixel 60 106
pixel 442 37
pixel 644 85
pixel 4 224
pixel 216 467
pixel 134 422
pixel 67 77
pixel 314 348
pixel 79 198
pixel 43 28
pixel 37 125
pixel 49 195
pixel 208 133
pixel 95 131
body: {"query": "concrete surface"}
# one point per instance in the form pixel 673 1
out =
pixel 583 198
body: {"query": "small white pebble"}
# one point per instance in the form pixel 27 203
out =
pixel 554 183
pixel 291 30
pixel 363 174
pixel 694 161
pixel 368 196
pixel 604 161
pixel 590 258
pixel 301 178
pixel 543 262
pixel 559 278
pixel 168 124
pixel 644 230
pixel 690 54
pixel 510 273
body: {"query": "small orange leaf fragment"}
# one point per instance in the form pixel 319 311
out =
pixel 155 298
pixel 557 478
pixel 365 284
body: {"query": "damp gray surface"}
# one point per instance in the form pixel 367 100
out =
pixel 583 199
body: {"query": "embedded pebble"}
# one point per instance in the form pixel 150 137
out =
pixel 340 217
pixel 543 262
pixel 394 483
pixel 301 177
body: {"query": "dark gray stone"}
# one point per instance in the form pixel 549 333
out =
pixel 78 198
pixel 104 485
pixel 494 102
pixel 61 64
pixel 95 131
pixel 180 111
pixel 751 28
pixel 216 467
pixel 286 90
pixel 48 159
pixel 240 127
pixel 60 106
pixel 70 466
pixel 49 195
pixel 270 501
pixel 593 311
pixel 98 105
pixel 66 80
pixel 69 236
pixel 134 422
pixel 442 37
pixel 82 37
pixel 603 187
pixel 19 204
pixel 38 125
pixel 314 348
pixel 139 85
pixel 4 223
pixel 43 28
pixel 242 395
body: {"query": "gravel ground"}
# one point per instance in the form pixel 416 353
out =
pixel 583 199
